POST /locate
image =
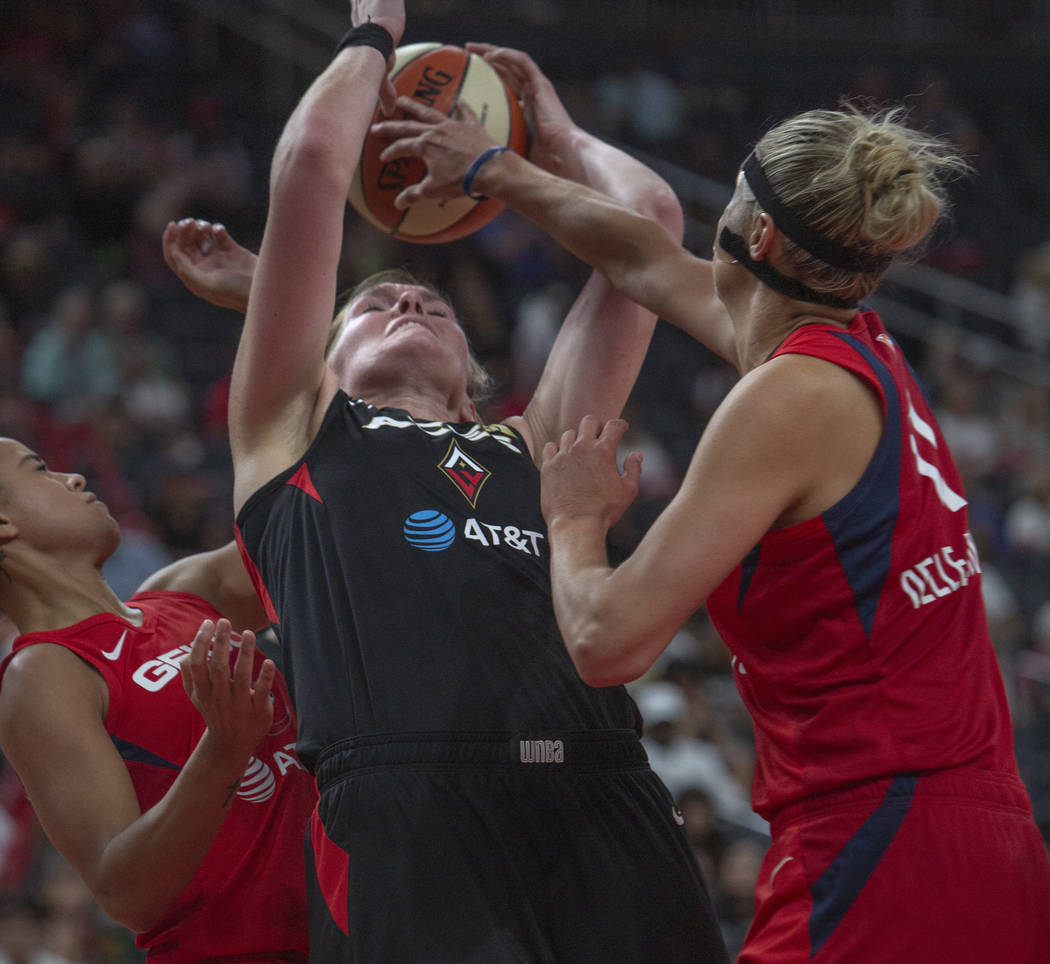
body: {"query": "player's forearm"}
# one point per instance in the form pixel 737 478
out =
pixel 614 172
pixel 597 622
pixel 145 867
pixel 641 259
pixel 327 129
pixel 601 231
pixel 238 285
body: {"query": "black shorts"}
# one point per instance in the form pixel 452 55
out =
pixel 493 848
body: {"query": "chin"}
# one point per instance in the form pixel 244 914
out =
pixel 111 539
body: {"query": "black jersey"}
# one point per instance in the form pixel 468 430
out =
pixel 405 567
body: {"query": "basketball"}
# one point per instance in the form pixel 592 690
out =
pixel 440 76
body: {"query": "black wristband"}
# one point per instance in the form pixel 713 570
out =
pixel 368 35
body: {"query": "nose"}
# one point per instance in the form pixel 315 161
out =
pixel 76 481
pixel 410 301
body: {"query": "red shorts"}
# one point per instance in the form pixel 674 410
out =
pixel 926 869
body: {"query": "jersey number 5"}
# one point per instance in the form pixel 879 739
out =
pixel 948 496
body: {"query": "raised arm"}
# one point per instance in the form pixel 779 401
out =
pixel 218 576
pixel 281 384
pixel 52 707
pixel 602 343
pixel 635 252
pixel 612 223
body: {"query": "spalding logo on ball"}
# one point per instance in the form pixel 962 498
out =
pixel 440 76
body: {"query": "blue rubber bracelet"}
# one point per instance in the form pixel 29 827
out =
pixel 468 178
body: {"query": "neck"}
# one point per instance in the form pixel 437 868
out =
pixel 763 319
pixel 42 598
pixel 424 406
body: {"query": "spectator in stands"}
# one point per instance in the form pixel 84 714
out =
pixel 68 364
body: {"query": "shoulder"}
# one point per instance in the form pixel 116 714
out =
pixel 795 413
pixel 196 575
pixel 521 427
pixel 43 675
pixel 788 387
pixel 798 384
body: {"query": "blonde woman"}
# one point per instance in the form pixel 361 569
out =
pixel 823 523
pixel 478 802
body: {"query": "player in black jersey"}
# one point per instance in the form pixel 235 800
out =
pixel 479 802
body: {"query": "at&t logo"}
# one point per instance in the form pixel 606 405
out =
pixel 432 531
pixel 429 530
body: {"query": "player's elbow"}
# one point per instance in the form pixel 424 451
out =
pixel 133 897
pixel 308 161
pixel 602 660
pixel 129 910
pixel 661 205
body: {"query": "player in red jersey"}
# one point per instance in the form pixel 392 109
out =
pixel 824 524
pixel 185 816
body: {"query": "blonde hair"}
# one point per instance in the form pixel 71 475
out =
pixel 866 181
pixel 479 382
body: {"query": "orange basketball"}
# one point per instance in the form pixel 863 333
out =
pixel 440 76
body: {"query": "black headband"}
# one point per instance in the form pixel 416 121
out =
pixel 735 245
pixel 808 238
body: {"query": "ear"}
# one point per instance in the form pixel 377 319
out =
pixel 8 530
pixel 762 236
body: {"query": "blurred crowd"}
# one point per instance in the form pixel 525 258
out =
pixel 120 115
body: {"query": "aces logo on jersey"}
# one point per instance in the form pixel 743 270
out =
pixel 466 474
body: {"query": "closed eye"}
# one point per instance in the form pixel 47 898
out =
pixel 39 465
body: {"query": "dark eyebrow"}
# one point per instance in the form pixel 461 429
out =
pixel 30 457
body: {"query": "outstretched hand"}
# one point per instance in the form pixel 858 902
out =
pixel 237 711
pixel 549 124
pixel 580 477
pixel 447 145
pixel 209 262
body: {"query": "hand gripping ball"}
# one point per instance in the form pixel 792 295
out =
pixel 440 76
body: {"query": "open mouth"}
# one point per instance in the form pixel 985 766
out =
pixel 406 323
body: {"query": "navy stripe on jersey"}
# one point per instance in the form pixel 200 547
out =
pixel 835 890
pixel 137 754
pixel 863 534
pixel 919 385
pixel 747 572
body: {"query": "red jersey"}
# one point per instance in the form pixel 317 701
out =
pixel 247 901
pixel 859 639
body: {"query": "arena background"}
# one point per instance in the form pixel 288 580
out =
pixel 118 115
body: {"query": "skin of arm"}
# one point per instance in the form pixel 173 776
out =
pixel 602 343
pixel 219 577
pixel 52 707
pixel 790 440
pixel 209 262
pixel 636 253
pixel 280 384
pixel 636 248
pixel 601 346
